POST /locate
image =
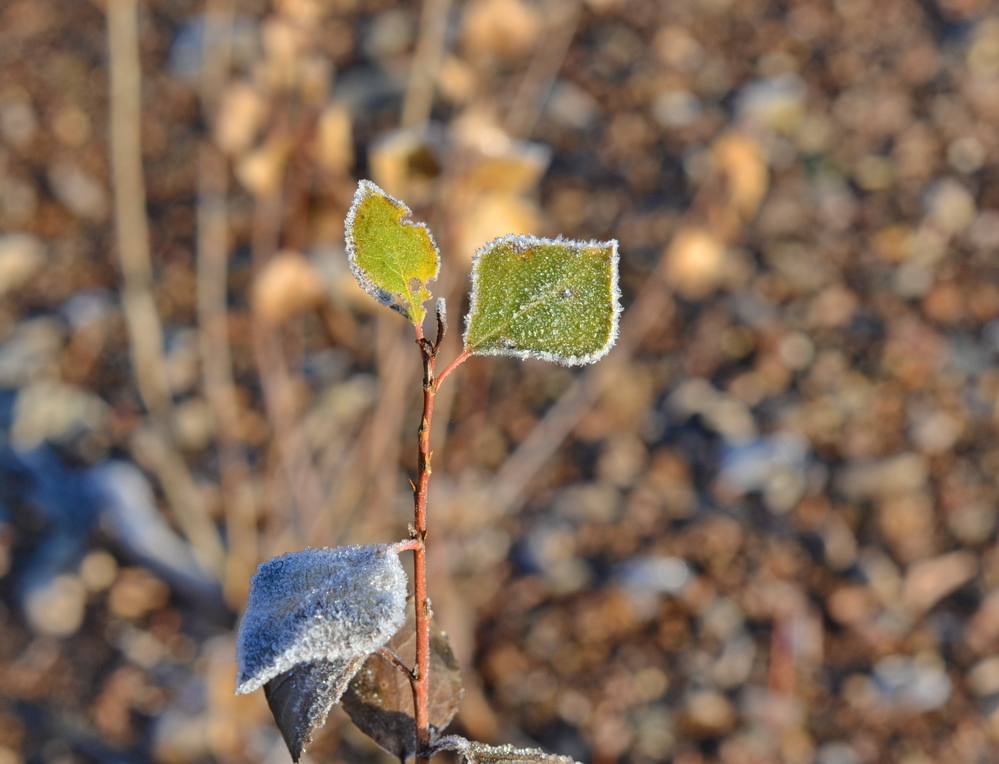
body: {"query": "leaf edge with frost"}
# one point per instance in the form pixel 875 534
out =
pixel 474 752
pixel 414 312
pixel 301 699
pixel 275 636
pixel 527 241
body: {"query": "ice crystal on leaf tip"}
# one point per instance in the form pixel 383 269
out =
pixel 391 257
pixel 319 604
pixel 552 299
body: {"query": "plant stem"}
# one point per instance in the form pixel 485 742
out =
pixel 462 357
pixel 142 319
pixel 398 662
pixel 421 686
pixel 421 680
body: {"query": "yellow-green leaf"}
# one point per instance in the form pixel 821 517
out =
pixel 391 257
pixel 553 299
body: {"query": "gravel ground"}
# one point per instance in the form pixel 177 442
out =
pixel 763 529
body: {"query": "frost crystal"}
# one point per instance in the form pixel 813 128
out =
pixel 319 604
pixel 553 299
pixel 473 752
pixel 391 256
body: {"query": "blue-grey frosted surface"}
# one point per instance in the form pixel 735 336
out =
pixel 319 604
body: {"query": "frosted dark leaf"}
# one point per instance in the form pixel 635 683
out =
pixel 301 699
pixel 379 699
pixel 319 605
pixel 471 752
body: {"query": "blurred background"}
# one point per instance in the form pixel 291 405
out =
pixel 763 529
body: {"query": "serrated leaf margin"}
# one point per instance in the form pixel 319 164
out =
pixel 527 241
pixel 366 189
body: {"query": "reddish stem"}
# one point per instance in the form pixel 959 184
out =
pixel 421 680
pixel 421 686
pixel 462 357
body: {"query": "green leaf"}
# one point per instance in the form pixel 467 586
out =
pixel 552 299
pixel 391 257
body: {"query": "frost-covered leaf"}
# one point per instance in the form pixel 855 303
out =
pixel 301 699
pixel 379 699
pixel 391 257
pixel 553 299
pixel 471 752
pixel 319 604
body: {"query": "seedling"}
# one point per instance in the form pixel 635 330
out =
pixel 328 626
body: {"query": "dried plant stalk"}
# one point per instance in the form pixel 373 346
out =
pixel 145 332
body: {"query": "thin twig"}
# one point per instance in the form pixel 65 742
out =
pixel 419 97
pixel 392 657
pixel 365 472
pixel 293 452
pixel 421 686
pixel 154 450
pixel 131 226
pixel 462 357
pixel 145 331
pixel 544 67
pixel 295 459
pixel 364 466
pixel 216 54
pixel 239 506
pixel 341 462
pixel 384 446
